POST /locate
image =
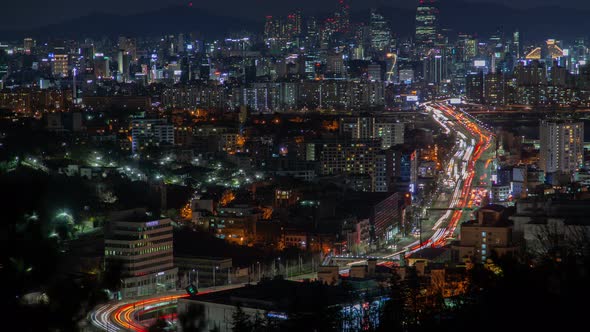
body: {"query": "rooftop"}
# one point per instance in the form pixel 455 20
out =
pixel 428 253
pixel 133 215
pixel 281 295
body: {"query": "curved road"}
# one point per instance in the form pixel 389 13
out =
pixel 122 315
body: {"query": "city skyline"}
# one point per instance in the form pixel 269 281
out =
pixel 378 166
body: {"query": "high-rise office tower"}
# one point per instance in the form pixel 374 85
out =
pixel 497 38
pixel 516 44
pixel 294 24
pixel 87 58
pixel 60 65
pixel 562 146
pixel 274 28
pixel 335 65
pixel 426 25
pixel 584 77
pixel 102 67
pixel 380 33
pixel 28 45
pixel 123 60
pixel 128 45
pixel 435 66
pixel 312 37
pixel 474 87
pixel 342 16
pixel 3 65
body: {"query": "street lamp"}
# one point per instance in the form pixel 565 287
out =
pixel 190 279
pixel 216 268
pixel 258 263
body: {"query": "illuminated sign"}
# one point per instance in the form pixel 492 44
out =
pixel 412 98
pixel 455 101
pixel 479 63
pixel 152 223
pixel 276 315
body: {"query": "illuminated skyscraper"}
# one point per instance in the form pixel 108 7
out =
pixel 293 27
pixel 3 65
pixel 312 37
pixel 380 34
pixel 101 66
pixel 28 45
pixel 123 60
pixel 60 65
pixel 87 58
pixel 272 27
pixel 516 44
pixel 426 24
pixel 435 66
pixel 343 16
pixel 474 87
pixel 128 45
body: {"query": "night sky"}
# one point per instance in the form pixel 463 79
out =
pixel 22 14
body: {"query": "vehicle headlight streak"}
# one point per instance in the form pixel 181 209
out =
pixel 461 170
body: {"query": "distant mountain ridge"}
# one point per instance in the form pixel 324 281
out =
pixel 475 18
pixel 159 22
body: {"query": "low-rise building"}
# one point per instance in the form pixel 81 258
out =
pixel 204 271
pixel 141 247
pixel 277 300
pixel 490 232
pixel 552 226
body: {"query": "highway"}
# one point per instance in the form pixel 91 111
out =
pixel 473 140
pixel 457 190
pixel 122 315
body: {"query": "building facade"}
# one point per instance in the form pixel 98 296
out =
pixel 151 132
pixel 142 248
pixel 562 146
